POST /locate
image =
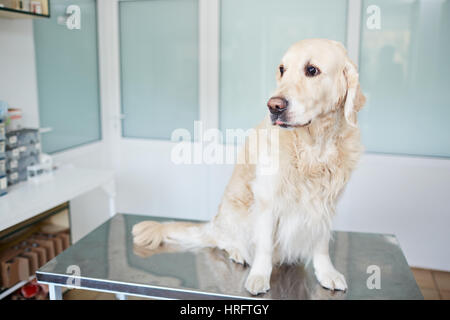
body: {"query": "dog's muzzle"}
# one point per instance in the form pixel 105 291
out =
pixel 277 107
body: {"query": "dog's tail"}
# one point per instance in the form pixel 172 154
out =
pixel 151 234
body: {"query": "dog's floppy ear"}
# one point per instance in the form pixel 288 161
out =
pixel 355 99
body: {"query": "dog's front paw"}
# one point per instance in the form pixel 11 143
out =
pixel 331 279
pixel 257 283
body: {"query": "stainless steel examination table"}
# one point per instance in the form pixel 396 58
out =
pixel 105 260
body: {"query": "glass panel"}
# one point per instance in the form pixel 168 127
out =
pixel 254 36
pixel 159 57
pixel 406 76
pixel 67 76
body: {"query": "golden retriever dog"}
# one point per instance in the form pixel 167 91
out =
pixel 285 217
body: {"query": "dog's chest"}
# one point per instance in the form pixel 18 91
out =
pixel 297 232
pixel 311 173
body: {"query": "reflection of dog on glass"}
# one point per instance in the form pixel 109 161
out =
pixel 286 216
pixel 217 273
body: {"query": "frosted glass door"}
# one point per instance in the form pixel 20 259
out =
pixel 405 73
pixel 67 77
pixel 254 36
pixel 159 62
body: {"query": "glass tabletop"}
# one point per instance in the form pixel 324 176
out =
pixel 107 260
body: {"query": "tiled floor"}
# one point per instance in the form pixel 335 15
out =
pixel 435 285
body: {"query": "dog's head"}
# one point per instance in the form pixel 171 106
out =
pixel 315 77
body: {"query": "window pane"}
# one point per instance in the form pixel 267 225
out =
pixel 159 57
pixel 406 75
pixel 254 36
pixel 67 74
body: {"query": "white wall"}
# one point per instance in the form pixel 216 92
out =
pixel 405 196
pixel 18 84
pixel 148 182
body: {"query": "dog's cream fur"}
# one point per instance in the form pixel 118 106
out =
pixel 286 216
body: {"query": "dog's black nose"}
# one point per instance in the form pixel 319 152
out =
pixel 277 105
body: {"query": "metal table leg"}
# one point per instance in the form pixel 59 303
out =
pixel 54 292
pixel 121 296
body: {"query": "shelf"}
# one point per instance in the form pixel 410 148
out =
pixel 18 285
pixel 19 14
pixel 11 13
pixel 28 199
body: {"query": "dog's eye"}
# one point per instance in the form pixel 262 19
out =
pixel 281 70
pixel 311 71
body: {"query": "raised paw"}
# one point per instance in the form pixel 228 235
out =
pixel 148 234
pixel 257 283
pixel 332 280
